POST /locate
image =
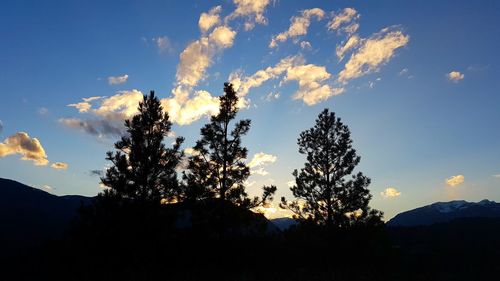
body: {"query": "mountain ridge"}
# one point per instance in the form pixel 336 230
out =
pixel 442 212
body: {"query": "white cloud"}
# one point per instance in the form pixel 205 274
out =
pixel 108 113
pixel 85 105
pixel 299 26
pixel 312 88
pixel 252 10
pixel 259 161
pixel 186 105
pixel 115 80
pixel 244 84
pixel 312 79
pixel 496 176
pixel 373 52
pixel 455 180
pixel 122 105
pixel 223 36
pixel 194 60
pixel 455 76
pixel 390 192
pixel 185 112
pixel 59 166
pixel 30 148
pixel 351 43
pixel 343 18
pixel 210 19
pixel 163 44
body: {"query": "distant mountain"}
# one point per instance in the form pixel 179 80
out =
pixel 283 223
pixel 442 212
pixel 29 215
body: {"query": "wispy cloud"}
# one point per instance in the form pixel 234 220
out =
pixel 455 180
pixel 299 26
pixel 244 84
pixel 455 76
pixel 390 192
pixel 163 44
pixel 350 44
pixel 29 148
pixel 373 52
pixel 116 80
pixel 344 21
pixel 43 111
pixel 59 166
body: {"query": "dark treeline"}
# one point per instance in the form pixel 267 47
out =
pixel 171 216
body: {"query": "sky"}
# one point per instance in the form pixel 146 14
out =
pixel 415 81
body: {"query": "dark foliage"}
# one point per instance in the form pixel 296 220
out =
pixel 325 195
pixel 142 167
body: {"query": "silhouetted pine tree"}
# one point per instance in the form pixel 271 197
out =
pixel 143 168
pixel 217 168
pixel 325 193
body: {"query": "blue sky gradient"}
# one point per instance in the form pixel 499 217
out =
pixel 412 125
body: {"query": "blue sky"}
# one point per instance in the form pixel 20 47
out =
pixel 419 89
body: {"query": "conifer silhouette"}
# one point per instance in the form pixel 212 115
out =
pixel 325 194
pixel 217 168
pixel 142 167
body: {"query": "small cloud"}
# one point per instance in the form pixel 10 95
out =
pixel 497 176
pixel 116 80
pixel 390 192
pixel 455 180
pixel 164 45
pixel 455 76
pixel 59 165
pixel 1 126
pixel 259 161
pixel 299 26
pixel 30 148
pixel 403 71
pixel 43 111
pixel 305 45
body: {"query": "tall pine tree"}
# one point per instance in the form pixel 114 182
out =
pixel 217 168
pixel 143 169
pixel 325 193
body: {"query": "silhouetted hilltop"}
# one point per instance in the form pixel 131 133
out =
pixel 29 215
pixel 442 212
